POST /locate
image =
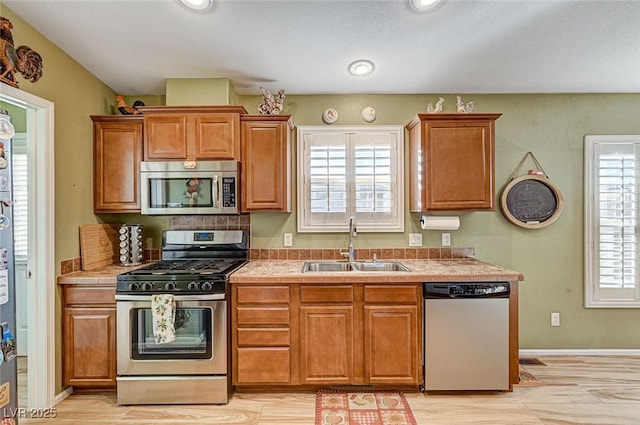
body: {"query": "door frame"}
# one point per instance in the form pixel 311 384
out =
pixel 41 271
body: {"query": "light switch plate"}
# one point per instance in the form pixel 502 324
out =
pixel 288 239
pixel 446 239
pixel 415 239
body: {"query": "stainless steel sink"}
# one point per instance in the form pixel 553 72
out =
pixel 380 266
pixel 363 266
pixel 326 266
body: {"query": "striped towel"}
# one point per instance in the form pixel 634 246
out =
pixel 163 314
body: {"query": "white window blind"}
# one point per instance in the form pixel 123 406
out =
pixel 612 171
pixel 20 208
pixel 344 171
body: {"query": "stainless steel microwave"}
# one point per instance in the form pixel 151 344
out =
pixel 184 188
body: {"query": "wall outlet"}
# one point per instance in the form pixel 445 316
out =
pixel 555 319
pixel 288 239
pixel 415 239
pixel 446 239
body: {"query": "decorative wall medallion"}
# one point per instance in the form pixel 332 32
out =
pixel 368 114
pixel 330 116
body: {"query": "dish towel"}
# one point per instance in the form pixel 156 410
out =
pixel 163 315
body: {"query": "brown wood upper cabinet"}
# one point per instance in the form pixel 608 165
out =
pixel 117 153
pixel 452 162
pixel 192 133
pixel 266 163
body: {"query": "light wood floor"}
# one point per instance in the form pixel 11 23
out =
pixel 589 390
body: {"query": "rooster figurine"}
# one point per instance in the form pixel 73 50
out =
pixel 272 105
pixel 465 108
pixel 22 59
pixel 128 110
pixel 435 109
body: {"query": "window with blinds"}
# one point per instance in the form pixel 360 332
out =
pixel 19 187
pixel 345 171
pixel 612 172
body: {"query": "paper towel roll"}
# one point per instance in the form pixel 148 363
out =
pixel 440 222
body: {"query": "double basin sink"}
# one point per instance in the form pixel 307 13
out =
pixel 361 266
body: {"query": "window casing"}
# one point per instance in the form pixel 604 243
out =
pixel 612 194
pixel 350 170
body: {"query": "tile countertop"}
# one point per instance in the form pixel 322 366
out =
pixel 459 269
pixel 103 275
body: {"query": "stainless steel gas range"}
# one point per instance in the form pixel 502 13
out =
pixel 193 277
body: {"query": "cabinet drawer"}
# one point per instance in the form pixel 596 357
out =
pixel 263 315
pixel 279 337
pixel 263 294
pixel 391 294
pixel 326 294
pixel 263 366
pixel 89 295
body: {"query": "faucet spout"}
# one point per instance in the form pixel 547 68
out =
pixel 353 232
pixel 351 253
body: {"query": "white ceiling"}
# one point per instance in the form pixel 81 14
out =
pixel 305 47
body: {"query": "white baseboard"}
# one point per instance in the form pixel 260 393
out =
pixel 64 394
pixel 579 352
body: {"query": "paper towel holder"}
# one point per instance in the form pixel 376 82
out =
pixel 439 222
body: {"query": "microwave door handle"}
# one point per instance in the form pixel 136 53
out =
pixel 215 192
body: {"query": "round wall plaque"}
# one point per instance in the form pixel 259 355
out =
pixel 531 202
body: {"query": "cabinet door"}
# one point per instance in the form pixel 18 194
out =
pixel 266 166
pixel 89 347
pixel 117 156
pixel 165 137
pixel 216 136
pixel 460 166
pixel 391 344
pixel 326 344
pixel 452 162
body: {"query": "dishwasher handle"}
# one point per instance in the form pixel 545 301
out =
pixel 452 290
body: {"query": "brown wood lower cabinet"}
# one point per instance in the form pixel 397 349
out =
pixel 307 335
pixel 89 337
pixel 261 335
pixel 326 344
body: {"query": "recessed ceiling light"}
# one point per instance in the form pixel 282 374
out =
pixel 361 67
pixel 422 5
pixel 199 5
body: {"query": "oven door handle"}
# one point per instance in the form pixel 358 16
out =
pixel 176 298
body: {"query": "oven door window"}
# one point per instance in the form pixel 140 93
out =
pixel 194 335
pixel 182 192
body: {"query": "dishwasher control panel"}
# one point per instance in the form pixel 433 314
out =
pixel 466 290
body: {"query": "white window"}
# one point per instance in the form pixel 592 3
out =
pixel 350 170
pixel 20 208
pixel 612 189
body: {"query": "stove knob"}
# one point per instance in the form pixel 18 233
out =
pixel 193 286
pixel 147 286
pixel 170 286
pixel 134 286
pixel 206 286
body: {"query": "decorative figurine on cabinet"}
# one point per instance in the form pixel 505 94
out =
pixel 438 108
pixel 465 108
pixel 128 110
pixel 23 59
pixel 271 105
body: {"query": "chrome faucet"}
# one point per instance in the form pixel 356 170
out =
pixel 350 254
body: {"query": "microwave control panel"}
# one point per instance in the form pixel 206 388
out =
pixel 228 192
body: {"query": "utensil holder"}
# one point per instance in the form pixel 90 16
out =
pixel 131 244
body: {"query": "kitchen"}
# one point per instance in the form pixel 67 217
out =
pixel 552 125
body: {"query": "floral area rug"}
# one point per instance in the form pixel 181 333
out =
pixel 335 407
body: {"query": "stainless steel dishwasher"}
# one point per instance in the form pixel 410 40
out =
pixel 466 336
